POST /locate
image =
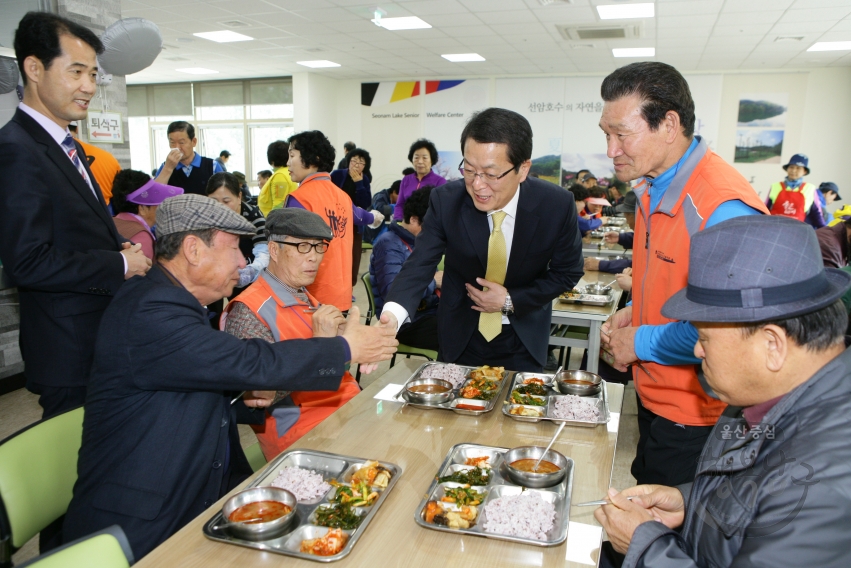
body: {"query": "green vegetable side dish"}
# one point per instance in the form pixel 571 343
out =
pixel 338 517
pixel 519 398
pixel 357 495
pixel 475 476
pixel 463 495
pixel 532 388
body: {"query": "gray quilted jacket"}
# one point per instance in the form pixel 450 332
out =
pixel 779 495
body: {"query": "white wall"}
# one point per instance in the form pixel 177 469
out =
pixel 818 121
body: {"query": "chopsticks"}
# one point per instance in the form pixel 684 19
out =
pixel 594 503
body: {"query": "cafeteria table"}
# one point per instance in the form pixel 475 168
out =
pixel 418 440
pixel 596 247
pixel 591 317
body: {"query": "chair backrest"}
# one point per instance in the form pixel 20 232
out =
pixel 108 548
pixel 367 282
pixel 38 469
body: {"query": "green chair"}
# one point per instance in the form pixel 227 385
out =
pixel 38 468
pixel 108 548
pixel 366 246
pixel 255 457
pixel 403 349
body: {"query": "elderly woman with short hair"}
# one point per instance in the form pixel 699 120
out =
pixel 423 155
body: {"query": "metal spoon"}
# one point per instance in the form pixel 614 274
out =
pixel 550 445
pixel 600 502
pixel 229 522
pixel 610 283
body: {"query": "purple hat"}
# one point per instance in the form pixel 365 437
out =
pixel 153 193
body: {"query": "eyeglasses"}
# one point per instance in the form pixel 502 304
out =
pixel 471 175
pixel 354 162
pixel 304 248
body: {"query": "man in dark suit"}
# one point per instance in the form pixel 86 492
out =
pixel 160 443
pixel 57 240
pixel 511 244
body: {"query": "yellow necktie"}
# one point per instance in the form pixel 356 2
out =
pixel 490 325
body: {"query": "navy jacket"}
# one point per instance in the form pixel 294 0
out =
pixel 389 253
pixel 59 244
pixel 545 260
pixel 618 265
pixel 159 440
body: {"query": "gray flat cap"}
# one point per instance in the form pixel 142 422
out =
pixel 191 212
pixel 295 222
pixel 755 268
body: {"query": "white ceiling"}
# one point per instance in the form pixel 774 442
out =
pixel 515 36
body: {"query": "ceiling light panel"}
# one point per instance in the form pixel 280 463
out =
pixel 197 71
pixel 460 57
pixel 624 11
pixel 634 52
pixel 405 23
pixel 223 36
pixel 830 46
pixel 318 64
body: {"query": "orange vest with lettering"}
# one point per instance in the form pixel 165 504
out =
pixel 660 269
pixel 301 411
pixel 333 284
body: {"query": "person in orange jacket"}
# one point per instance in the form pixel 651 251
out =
pixel 277 307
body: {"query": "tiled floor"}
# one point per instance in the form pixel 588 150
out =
pixel 20 408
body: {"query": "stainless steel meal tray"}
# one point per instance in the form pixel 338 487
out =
pixel 588 299
pixel 452 403
pixel 331 467
pixel 499 486
pixel 552 392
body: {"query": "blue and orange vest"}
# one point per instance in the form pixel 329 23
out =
pixel 660 269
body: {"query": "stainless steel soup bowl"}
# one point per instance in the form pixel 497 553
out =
pixel 535 480
pixel 593 386
pixel 429 398
pixel 259 531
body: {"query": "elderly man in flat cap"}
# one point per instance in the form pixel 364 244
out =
pixel 772 484
pixel 159 440
pixel 278 307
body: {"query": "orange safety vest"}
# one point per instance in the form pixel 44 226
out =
pixel 660 269
pixel 333 284
pixel 104 166
pixel 301 411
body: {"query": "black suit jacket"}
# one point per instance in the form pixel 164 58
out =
pixel 159 424
pixel 60 246
pixel 545 260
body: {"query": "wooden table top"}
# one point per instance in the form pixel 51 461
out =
pixel 418 440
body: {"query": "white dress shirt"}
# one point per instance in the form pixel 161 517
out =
pixel 507 228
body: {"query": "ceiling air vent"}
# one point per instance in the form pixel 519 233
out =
pixel 573 33
pixel 234 24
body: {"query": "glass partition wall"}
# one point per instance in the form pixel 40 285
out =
pixel 242 117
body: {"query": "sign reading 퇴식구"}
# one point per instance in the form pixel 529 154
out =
pixel 105 127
